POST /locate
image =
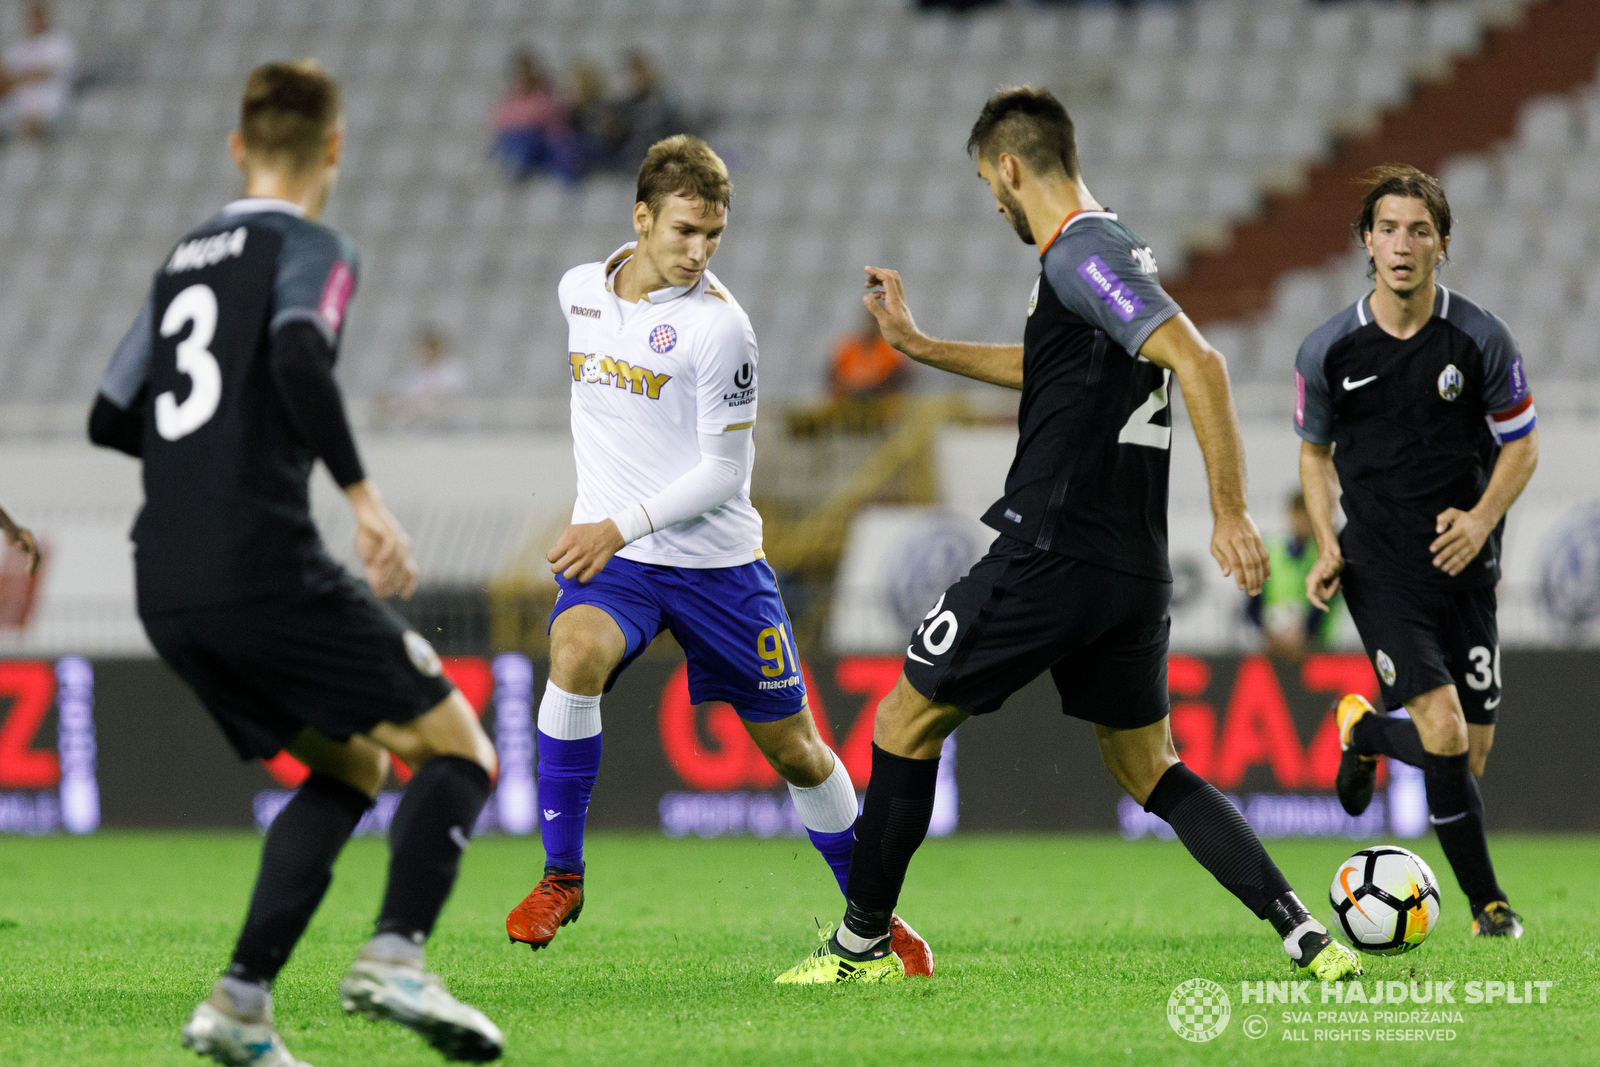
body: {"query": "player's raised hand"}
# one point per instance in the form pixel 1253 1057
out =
pixel 1236 545
pixel 382 543
pixel 1322 583
pixel 1461 538
pixel 887 303
pixel 584 548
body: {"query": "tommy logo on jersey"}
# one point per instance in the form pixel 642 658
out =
pixel 594 369
pixel 1110 288
pixel 663 338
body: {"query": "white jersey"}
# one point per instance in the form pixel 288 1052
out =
pixel 647 380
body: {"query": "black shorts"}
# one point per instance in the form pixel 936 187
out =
pixel 338 661
pixel 1021 611
pixel 1420 639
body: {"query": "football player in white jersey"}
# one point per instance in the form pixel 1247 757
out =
pixel 663 535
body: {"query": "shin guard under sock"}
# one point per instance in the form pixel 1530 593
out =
pixel 431 829
pixel 1216 834
pixel 893 822
pixel 570 745
pixel 1388 735
pixel 1457 817
pixel 296 870
pixel 828 812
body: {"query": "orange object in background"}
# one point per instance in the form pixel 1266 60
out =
pixel 18 588
pixel 863 364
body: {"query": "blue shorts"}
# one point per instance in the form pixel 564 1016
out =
pixel 730 621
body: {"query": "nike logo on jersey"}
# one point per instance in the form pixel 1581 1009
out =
pixel 912 655
pixel 459 836
pixel 1349 385
pixel 550 813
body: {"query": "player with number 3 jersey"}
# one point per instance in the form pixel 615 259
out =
pixel 663 367
pixel 224 389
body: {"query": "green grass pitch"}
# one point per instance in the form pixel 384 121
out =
pixel 1050 950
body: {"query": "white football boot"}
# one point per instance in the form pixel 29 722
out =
pixel 238 1039
pixel 401 992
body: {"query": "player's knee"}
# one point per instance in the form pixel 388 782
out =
pixel 579 666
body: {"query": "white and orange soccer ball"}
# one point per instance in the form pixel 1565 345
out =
pixel 1385 900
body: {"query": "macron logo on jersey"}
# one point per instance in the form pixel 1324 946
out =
pixel 1110 288
pixel 206 251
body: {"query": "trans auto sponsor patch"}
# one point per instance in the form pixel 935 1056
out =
pixel 1110 288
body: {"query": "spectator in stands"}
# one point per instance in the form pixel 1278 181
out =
pixel 1289 623
pixel 864 364
pixel 433 379
pixel 650 111
pixel 598 119
pixel 532 127
pixel 36 77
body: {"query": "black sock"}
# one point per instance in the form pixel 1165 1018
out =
pixel 1457 818
pixel 1216 834
pixel 1388 735
pixel 429 832
pixel 296 869
pixel 893 822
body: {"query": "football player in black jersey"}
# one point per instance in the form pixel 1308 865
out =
pixel 1077 582
pixel 1414 402
pixel 224 388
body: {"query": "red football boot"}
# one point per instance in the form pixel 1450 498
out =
pixel 912 950
pixel 556 901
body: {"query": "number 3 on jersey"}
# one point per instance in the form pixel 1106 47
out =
pixel 197 305
pixel 1141 429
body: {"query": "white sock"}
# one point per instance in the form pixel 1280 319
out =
pixel 827 808
pixel 567 716
pixel 855 942
pixel 1291 944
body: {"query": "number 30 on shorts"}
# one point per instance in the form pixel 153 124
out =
pixel 770 645
pixel 938 629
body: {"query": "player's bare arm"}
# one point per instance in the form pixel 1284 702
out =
pixel 21 539
pixel 1462 533
pixel 382 543
pixel 1320 484
pixel 583 549
pixel 886 300
pixel 1203 373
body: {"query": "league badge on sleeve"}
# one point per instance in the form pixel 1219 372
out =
pixel 1450 382
pixel 663 338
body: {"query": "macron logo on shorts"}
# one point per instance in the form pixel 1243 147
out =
pixel 1110 288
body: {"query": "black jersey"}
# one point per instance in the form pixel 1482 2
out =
pixel 1095 430
pixel 227 512
pixel 1416 427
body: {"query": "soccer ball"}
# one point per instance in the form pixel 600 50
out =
pixel 1385 899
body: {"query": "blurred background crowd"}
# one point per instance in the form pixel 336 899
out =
pixel 492 145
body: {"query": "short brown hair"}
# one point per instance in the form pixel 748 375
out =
pixel 1029 123
pixel 289 111
pixel 684 166
pixel 1400 179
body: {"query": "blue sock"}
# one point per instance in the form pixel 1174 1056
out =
pixel 567 771
pixel 836 849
